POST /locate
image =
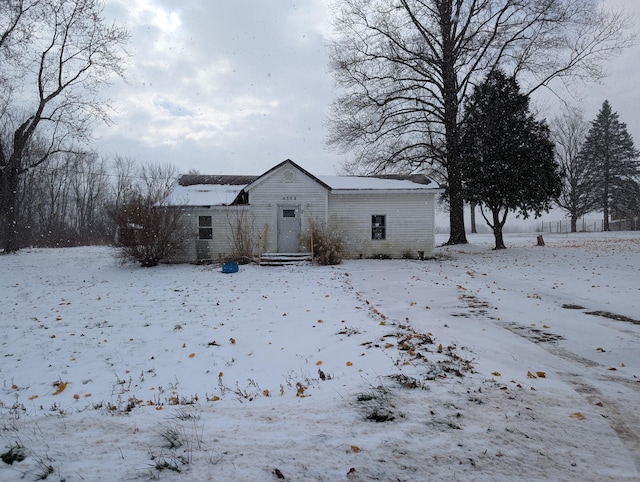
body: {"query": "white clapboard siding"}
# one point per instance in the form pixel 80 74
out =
pixel 223 218
pixel 282 188
pixel 409 223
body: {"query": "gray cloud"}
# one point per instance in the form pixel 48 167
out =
pixel 236 87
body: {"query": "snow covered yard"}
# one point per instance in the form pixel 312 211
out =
pixel 478 365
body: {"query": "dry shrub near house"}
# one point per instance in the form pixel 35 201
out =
pixel 326 243
pixel 149 233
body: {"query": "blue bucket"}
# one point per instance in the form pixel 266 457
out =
pixel 230 267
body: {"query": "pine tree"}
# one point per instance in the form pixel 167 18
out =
pixel 613 162
pixel 508 156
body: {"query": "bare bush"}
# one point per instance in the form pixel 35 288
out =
pixel 243 236
pixel 326 243
pixel 148 232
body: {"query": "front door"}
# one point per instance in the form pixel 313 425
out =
pixel 289 228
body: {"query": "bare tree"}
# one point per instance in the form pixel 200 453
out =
pixel 577 198
pixel 407 65
pixel 124 170
pixel 151 229
pixel 56 55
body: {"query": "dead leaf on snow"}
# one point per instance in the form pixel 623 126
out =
pixel 578 416
pixel 61 386
pixel 531 375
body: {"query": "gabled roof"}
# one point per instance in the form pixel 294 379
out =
pixel 275 168
pixel 224 190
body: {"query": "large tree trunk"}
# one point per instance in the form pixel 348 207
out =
pixel 574 224
pixel 473 219
pixel 8 201
pixel 451 105
pixel 497 228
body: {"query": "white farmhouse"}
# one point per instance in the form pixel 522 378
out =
pixel 377 216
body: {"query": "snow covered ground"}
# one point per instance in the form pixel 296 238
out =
pixel 521 364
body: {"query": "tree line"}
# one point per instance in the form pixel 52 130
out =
pixel 407 70
pixel 78 199
pixel 436 86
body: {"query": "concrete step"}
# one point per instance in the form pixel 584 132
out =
pixel 281 259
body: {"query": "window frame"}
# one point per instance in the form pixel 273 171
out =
pixel 205 231
pixel 378 227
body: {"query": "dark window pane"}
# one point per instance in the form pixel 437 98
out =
pixel 205 233
pixel 378 227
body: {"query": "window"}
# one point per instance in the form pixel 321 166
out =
pixel 288 213
pixel 378 226
pixel 205 227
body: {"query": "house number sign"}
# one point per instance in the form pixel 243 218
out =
pixel 289 198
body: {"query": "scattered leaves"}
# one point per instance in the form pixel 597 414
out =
pixel 578 416
pixel 531 375
pixel 496 374
pixel 60 387
pixel 192 355
pixel 355 449
pixel 349 364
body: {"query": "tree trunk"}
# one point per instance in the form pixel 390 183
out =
pixel 574 224
pixel 473 219
pixel 9 196
pixel 497 228
pixel 457 233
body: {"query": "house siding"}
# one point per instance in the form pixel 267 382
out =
pixel 221 246
pixel 409 223
pixel 409 216
pixel 279 189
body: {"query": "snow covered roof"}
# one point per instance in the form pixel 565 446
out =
pixel 204 194
pixel 218 190
pixel 378 183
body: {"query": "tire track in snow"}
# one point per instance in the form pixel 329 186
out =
pixel 621 420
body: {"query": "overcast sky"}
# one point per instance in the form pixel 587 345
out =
pixel 237 87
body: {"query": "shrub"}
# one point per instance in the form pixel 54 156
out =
pixel 149 231
pixel 243 237
pixel 326 243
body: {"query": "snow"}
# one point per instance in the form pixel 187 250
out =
pixel 204 194
pixel 338 183
pixel 181 372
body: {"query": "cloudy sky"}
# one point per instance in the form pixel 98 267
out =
pixel 237 87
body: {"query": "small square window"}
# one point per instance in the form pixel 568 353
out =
pixel 288 213
pixel 378 223
pixel 205 227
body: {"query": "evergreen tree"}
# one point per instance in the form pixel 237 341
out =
pixel 613 162
pixel 509 157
